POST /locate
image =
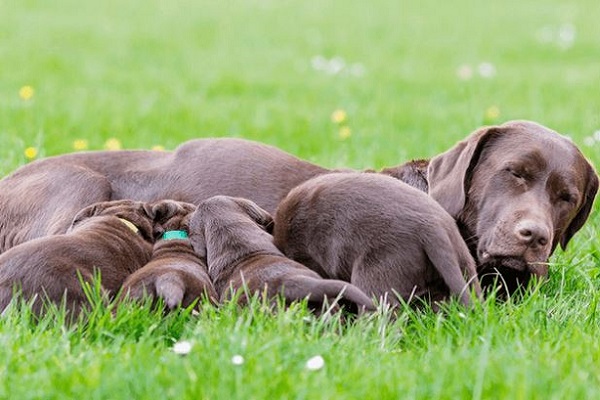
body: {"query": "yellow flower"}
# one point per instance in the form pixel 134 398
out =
pixel 31 153
pixel 158 147
pixel 26 92
pixel 112 144
pixel 339 116
pixel 80 144
pixel 344 132
pixel 492 113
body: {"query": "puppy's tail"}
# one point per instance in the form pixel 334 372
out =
pixel 453 261
pixel 320 291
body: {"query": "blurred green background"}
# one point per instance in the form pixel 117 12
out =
pixel 341 83
pixel 413 77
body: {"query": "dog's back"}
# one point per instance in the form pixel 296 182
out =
pixel 234 234
pixel 376 232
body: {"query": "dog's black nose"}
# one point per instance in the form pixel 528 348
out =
pixel 532 233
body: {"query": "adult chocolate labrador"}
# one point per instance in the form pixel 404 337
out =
pixel 232 234
pixel 516 190
pixel 386 237
pixel 112 238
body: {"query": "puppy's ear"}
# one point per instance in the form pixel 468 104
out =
pixel 168 215
pixel 582 215
pixel 85 213
pixel 163 210
pixel 260 216
pixel 97 209
pixel 196 234
pixel 449 174
pixel 413 172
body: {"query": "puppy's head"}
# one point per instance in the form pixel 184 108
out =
pixel 225 211
pixel 413 172
pixel 169 215
pixel 131 211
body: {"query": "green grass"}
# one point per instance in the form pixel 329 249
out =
pixel 161 72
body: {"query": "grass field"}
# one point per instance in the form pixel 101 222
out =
pixel 412 78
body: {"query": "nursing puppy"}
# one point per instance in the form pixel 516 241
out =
pixel 516 190
pixel 378 233
pixel 112 239
pixel 232 233
pixel 175 273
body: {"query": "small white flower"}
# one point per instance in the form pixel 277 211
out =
pixel 464 72
pixel 182 347
pixel 486 70
pixel 237 360
pixel 566 36
pixel 589 141
pixel 315 363
pixel 336 65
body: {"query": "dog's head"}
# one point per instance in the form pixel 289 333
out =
pixel 413 173
pixel 132 213
pixel 169 215
pixel 229 218
pixel 517 190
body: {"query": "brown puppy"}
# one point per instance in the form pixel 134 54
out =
pixel 232 233
pixel 381 234
pixel 42 197
pixel 175 273
pixel 113 238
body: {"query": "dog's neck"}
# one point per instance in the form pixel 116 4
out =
pixel 129 224
pixel 178 247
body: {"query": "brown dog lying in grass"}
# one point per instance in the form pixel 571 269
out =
pixel 175 273
pixel 109 239
pixel 232 233
pixel 378 233
pixel 516 190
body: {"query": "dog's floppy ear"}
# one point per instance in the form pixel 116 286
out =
pixel 196 234
pixel 96 209
pixel 163 210
pixel 449 174
pixel 168 215
pixel 582 215
pixel 85 213
pixel 413 172
pixel 260 216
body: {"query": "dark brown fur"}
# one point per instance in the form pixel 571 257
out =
pixel 98 241
pixel 175 273
pixel 46 269
pixel 517 191
pixel 42 197
pixel 378 233
pixel 241 257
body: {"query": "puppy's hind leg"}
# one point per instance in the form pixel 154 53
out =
pixel 318 291
pixel 452 260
